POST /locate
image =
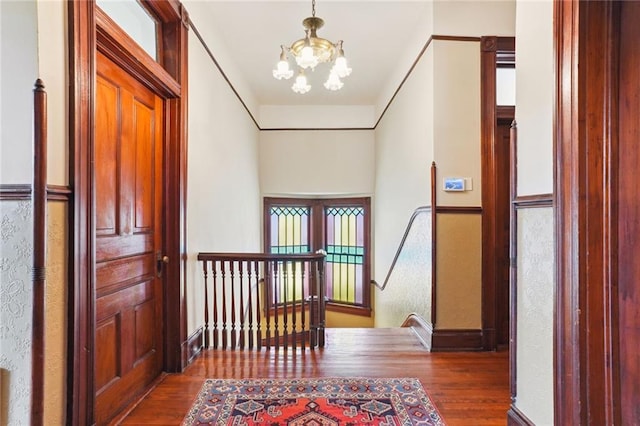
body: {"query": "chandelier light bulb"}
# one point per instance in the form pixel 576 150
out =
pixel 301 86
pixel 341 68
pixel 283 71
pixel 306 58
pixel 333 83
pixel 282 68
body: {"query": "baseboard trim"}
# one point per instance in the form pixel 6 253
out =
pixel 422 329
pixel 192 347
pixel 515 417
pixel 467 340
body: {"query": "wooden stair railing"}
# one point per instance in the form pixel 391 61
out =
pixel 256 300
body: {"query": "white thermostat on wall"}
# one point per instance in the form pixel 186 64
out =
pixel 457 184
pixel 453 184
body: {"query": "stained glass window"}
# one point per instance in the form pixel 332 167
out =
pixel 289 230
pixel 340 227
pixel 345 253
pixel 289 235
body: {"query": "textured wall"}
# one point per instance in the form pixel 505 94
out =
pixel 535 314
pixel 459 271
pixel 56 314
pixel 16 261
pixel 409 287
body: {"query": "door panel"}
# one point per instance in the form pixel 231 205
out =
pixel 128 173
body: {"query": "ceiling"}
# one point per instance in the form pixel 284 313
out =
pixel 378 35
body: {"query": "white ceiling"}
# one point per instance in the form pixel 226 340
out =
pixel 376 34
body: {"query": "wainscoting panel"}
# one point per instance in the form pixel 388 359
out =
pixel 55 377
pixel 535 284
pixel 16 261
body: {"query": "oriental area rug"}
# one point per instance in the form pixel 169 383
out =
pixel 313 402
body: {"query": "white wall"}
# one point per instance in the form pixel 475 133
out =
pixel 534 96
pixel 457 119
pixel 317 163
pixel 534 115
pixel 19 70
pixel 198 12
pixel 404 152
pixel 223 199
pixel 316 116
pixel 53 69
pixel 474 18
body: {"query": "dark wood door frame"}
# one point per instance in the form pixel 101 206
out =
pixel 492 50
pixel 169 79
pixel 586 385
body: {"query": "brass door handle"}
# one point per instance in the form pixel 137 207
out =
pixel 160 262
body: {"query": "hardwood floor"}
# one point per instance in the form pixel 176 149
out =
pixel 468 388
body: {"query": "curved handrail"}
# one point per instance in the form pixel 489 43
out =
pixel 419 210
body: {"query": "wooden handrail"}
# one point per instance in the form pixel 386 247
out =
pixel 260 256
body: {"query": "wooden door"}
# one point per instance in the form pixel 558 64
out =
pixel 128 230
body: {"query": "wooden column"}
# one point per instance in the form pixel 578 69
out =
pixel 39 250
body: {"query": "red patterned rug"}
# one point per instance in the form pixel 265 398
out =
pixel 313 402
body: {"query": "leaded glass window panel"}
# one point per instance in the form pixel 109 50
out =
pixel 289 230
pixel 341 227
pixel 345 253
pixel 289 226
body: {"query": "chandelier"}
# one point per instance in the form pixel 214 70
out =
pixel 309 52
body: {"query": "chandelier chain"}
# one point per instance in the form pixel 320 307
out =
pixel 313 8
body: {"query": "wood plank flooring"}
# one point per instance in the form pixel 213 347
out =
pixel 469 388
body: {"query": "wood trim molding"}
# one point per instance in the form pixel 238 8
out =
pixel 39 251
pixel 513 265
pixel 585 176
pixel 515 417
pixel 504 112
pixel 434 240
pixel 532 201
pixel 81 36
pixel 459 210
pixel 467 340
pixel 125 52
pixel 192 347
pixel 59 193
pixel 490 46
pixel 456 38
pixel 422 329
pixel 18 192
pixel 15 192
